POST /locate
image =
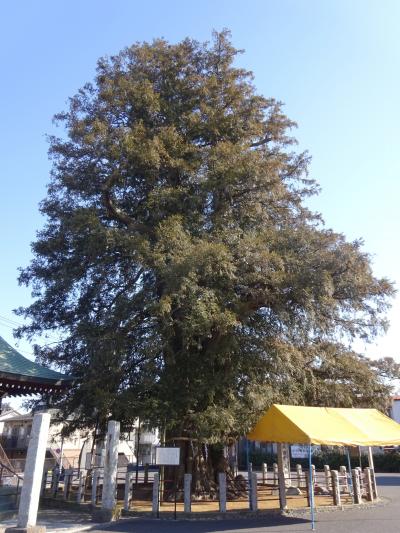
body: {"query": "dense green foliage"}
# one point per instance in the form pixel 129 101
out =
pixel 190 283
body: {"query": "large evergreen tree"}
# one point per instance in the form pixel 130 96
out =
pixel 190 283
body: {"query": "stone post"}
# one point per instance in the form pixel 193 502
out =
pixel 328 479
pixel 95 482
pixel 283 453
pixel 108 500
pixel 281 477
pixel 30 493
pixel 128 492
pixel 55 478
pixel 335 487
pixel 356 485
pixel 371 466
pixel 44 483
pixel 253 492
pixel 299 473
pixel 156 487
pixel 343 472
pixel 264 473
pixel 275 471
pixel 361 478
pixel 187 493
pixel 80 496
pixel 368 484
pixel 67 477
pixel 222 492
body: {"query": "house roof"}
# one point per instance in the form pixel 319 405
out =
pixel 19 376
pixel 19 418
pixel 10 413
pixel 326 425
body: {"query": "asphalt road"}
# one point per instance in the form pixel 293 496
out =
pixel 380 519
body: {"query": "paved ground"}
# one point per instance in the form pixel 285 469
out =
pixel 57 520
pixel 382 519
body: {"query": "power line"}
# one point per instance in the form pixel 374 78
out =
pixel 14 322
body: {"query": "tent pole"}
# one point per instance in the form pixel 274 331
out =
pixel 311 488
pixel 247 454
pixel 350 477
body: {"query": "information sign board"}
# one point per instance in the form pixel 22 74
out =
pixel 168 456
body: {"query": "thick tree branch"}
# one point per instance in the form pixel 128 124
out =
pixel 265 140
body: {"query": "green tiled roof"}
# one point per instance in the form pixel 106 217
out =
pixel 12 362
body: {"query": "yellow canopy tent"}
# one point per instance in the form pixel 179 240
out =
pixel 326 425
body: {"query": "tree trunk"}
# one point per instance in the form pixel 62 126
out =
pixel 204 462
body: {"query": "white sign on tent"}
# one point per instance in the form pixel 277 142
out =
pixel 300 451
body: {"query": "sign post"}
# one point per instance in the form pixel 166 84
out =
pixel 167 457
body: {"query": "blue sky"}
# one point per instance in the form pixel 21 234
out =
pixel 334 63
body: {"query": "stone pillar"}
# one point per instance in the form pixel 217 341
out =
pixel 356 485
pixel 281 476
pixel 361 478
pixel 55 478
pixel 283 453
pixel 128 492
pixel 299 473
pixel 44 483
pixel 275 471
pixel 187 493
pixel 95 480
pixel 371 465
pixel 343 472
pixel 335 487
pixel 108 499
pixel 253 492
pixel 222 492
pixel 327 472
pixel 156 487
pixel 30 493
pixel 67 478
pixel 368 484
pixel 80 496
pixel 264 469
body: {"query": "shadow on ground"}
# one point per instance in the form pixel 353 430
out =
pixel 200 526
pixel 387 480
